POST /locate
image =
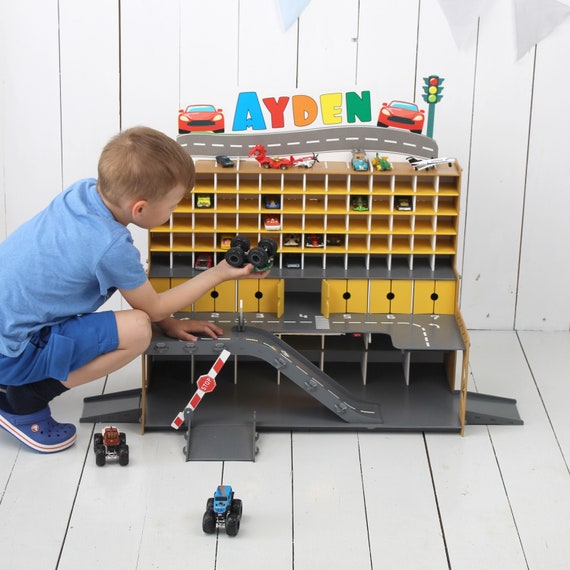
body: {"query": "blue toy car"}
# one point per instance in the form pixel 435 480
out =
pixel 359 160
pixel 222 510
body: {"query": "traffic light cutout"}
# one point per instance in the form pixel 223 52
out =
pixel 432 95
pixel 433 88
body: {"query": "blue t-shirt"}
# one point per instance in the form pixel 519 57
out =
pixel 66 261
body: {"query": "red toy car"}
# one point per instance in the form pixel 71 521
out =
pixel 203 261
pixel 260 154
pixel 200 118
pixel 402 115
pixel 110 445
pixel 272 223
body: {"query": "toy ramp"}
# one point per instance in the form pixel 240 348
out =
pixel 264 345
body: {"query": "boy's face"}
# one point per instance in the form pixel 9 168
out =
pixel 157 212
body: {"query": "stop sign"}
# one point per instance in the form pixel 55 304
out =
pixel 206 383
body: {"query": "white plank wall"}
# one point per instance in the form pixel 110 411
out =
pixel 74 73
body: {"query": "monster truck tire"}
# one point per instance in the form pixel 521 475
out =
pixel 232 525
pixel 209 522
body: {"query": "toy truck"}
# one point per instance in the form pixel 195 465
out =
pixel 261 256
pixel 222 510
pixel 110 445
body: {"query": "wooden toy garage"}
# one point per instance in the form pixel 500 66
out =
pixel 357 326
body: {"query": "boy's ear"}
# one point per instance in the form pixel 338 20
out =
pixel 138 209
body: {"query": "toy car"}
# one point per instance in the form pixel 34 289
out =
pixel 381 163
pixel 272 202
pixel 334 240
pixel 402 115
pixel 272 223
pixel 260 154
pixel 226 241
pixel 224 161
pixel 203 201
pixel 110 445
pixel 359 160
pixel 200 118
pixel 261 256
pixel 292 240
pixel 403 203
pixel 360 203
pixel 223 510
pixel 314 240
pixel 203 261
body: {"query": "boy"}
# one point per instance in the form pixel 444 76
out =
pixel 64 263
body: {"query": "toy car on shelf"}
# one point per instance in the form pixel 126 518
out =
pixel 261 256
pixel 272 223
pixel 402 115
pixel 272 202
pixel 314 240
pixel 223 510
pixel 260 154
pixel 110 445
pixel 403 203
pixel 224 161
pixel 292 240
pixel 203 201
pixel 203 261
pixel 381 163
pixel 334 240
pixel 360 203
pixel 226 240
pixel 200 118
pixel 359 161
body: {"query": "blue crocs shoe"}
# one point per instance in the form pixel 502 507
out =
pixel 39 430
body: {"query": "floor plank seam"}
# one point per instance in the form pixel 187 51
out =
pixel 542 402
pixel 363 487
pixel 503 483
pixel 71 510
pixel 434 488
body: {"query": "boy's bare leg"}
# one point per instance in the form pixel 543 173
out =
pixel 134 329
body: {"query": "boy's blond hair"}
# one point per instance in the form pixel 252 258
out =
pixel 143 163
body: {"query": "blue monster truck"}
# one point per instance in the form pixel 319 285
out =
pixel 222 510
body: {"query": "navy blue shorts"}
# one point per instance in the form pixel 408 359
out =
pixel 54 352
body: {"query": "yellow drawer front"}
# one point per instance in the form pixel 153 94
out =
pixel 445 302
pixel 160 284
pixel 424 294
pixel 379 302
pixel 401 296
pixel 335 291
pixel 434 297
pixel 225 297
pixel 175 283
pixel 357 296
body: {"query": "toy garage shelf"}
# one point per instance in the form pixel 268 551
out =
pixel 320 217
pixel 356 327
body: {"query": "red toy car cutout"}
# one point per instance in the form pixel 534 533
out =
pixel 200 118
pixel 402 115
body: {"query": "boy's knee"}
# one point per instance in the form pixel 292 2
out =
pixel 135 329
pixel 143 326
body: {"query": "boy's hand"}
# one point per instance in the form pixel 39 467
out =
pixel 245 272
pixel 183 329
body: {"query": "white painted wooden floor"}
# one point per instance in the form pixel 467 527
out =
pixel 498 498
